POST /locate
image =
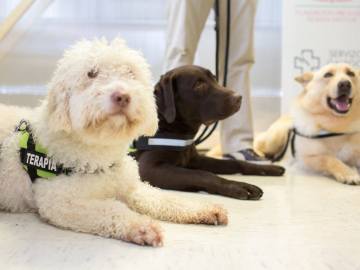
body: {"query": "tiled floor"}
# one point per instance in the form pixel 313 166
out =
pixel 302 222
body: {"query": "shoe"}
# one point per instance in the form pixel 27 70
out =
pixel 248 155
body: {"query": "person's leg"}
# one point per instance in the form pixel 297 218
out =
pixel 237 130
pixel 186 20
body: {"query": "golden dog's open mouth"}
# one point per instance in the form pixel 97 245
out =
pixel 341 104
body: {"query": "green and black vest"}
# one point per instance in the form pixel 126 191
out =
pixel 34 158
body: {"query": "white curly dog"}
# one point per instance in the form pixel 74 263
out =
pixel 100 98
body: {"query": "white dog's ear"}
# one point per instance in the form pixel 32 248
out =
pixel 58 109
pixel 304 78
pixel 165 100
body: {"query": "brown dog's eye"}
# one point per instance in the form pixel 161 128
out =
pixel 328 75
pixel 199 85
pixel 350 73
pixel 93 73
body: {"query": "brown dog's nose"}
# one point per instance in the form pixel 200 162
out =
pixel 344 88
pixel 120 99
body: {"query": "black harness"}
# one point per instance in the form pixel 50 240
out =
pixel 291 140
pixel 164 141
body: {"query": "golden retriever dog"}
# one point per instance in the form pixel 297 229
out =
pixel 325 123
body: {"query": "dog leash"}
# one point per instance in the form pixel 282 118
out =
pixel 291 140
pixel 203 136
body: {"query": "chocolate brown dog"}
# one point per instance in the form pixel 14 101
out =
pixel 187 97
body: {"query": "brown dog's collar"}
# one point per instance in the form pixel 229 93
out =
pixel 164 141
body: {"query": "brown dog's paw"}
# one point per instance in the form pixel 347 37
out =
pixel 240 190
pixel 271 170
pixel 215 215
pixel 145 234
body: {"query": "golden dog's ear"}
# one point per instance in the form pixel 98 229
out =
pixel 304 78
pixel 58 108
pixel 165 97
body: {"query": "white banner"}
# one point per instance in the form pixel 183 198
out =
pixel 317 32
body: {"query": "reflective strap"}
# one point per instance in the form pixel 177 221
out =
pixel 169 142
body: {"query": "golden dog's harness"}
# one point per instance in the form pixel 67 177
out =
pixel 291 140
pixel 34 156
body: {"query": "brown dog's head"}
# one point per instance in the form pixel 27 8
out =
pixel 191 95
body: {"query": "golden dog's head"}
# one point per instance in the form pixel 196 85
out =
pixel 333 90
pixel 102 91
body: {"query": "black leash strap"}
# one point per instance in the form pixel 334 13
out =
pixel 203 136
pixel 291 140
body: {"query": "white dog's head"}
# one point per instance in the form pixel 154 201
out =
pixel 102 91
pixel 332 90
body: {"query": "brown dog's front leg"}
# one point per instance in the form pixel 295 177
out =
pixel 177 178
pixel 222 166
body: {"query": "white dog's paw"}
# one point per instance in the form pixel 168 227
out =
pixel 149 234
pixel 349 177
pixel 214 215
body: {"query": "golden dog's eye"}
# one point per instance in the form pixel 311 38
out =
pixel 350 73
pixel 93 73
pixel 328 75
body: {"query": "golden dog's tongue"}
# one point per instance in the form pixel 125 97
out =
pixel 341 103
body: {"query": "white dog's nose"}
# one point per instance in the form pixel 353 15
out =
pixel 120 99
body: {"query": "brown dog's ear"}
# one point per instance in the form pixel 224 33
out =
pixel 304 78
pixel 165 100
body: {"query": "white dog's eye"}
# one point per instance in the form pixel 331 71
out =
pixel 328 75
pixel 132 75
pixel 93 73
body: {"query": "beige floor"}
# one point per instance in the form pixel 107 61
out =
pixel 302 222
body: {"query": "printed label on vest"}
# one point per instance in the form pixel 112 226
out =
pixel 40 162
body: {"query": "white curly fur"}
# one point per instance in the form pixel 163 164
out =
pixel 82 128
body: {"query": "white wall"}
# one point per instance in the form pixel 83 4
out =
pixel 30 63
